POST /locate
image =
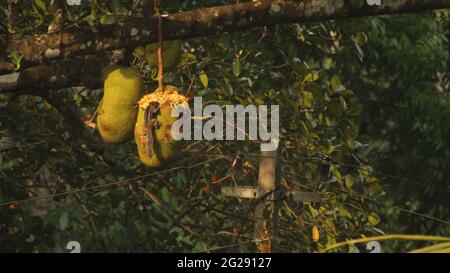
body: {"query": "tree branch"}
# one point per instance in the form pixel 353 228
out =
pixel 41 49
pixel 201 22
pixel 78 71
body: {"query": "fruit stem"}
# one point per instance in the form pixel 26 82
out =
pixel 160 47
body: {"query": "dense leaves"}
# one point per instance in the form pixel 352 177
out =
pixel 330 80
pixel 403 83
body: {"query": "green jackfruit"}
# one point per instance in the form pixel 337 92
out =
pixel 106 70
pixel 118 109
pixel 165 148
pixel 171 54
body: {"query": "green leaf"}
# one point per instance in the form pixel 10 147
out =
pixel 203 78
pixel 90 19
pixel 345 92
pixel 40 4
pixel 373 219
pixel 314 212
pixel 16 57
pixel 165 195
pixel 259 100
pixel 311 76
pixel 335 83
pixel 327 63
pixel 359 51
pixel 345 213
pixel 236 67
pixel 374 189
pixel 350 143
pixel 349 181
pixel 327 121
pixel 154 74
pixel 77 98
pixel 107 19
pixel 361 38
pixel 306 99
pixel 64 221
pixel 188 58
pixel 336 174
pixel 305 127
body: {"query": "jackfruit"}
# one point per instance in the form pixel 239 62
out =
pixel 108 69
pixel 171 54
pixel 118 108
pixel 164 148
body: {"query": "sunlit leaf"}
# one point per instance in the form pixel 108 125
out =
pixel 349 181
pixel 203 79
pixel 40 4
pixel 335 83
pixel 107 19
pixel 373 219
pixel 312 76
pixel 236 67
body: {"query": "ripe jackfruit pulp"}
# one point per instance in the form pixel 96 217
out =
pixel 118 109
pixel 171 54
pixel 165 148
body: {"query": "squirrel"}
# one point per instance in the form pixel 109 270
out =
pixel 150 124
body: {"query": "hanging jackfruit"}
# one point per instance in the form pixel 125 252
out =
pixel 171 54
pixel 154 124
pixel 118 109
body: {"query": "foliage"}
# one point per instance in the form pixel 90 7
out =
pixel 105 199
pixel 403 82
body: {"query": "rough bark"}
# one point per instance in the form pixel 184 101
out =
pixel 133 32
pixel 79 71
pixel 45 48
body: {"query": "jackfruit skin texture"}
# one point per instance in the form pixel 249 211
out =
pixel 118 109
pixel 171 54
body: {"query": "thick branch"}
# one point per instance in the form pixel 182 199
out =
pixel 202 22
pixel 78 71
pixel 74 70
